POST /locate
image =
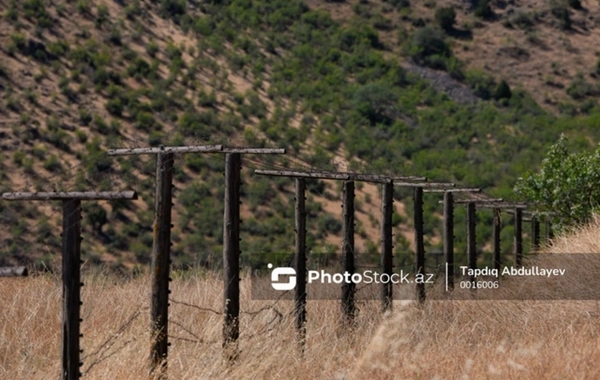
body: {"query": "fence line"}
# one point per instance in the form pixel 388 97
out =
pixel 231 253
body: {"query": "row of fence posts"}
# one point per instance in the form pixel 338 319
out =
pixel 160 263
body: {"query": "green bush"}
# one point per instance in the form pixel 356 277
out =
pixel 483 9
pixel 398 4
pixel 139 69
pixel 35 9
pixel 581 89
pixel 427 42
pixel 102 15
pixel 502 91
pixel 482 84
pixel 115 107
pixel 445 18
pixel 561 12
pixel 152 49
pixel 52 164
pixel 145 121
pixel 565 183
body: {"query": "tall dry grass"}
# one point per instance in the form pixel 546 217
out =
pixel 440 340
pixel 116 331
pixel 499 339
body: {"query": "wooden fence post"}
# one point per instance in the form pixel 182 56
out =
pixel 518 241
pixel 231 256
pixel 348 250
pixel 387 257
pixel 300 299
pixel 419 242
pixel 449 237
pixel 535 233
pixel 71 266
pixel 497 226
pixel 161 252
pixel 549 232
pixel 71 279
pixel 471 238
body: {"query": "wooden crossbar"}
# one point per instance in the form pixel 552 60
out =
pixel 453 190
pixel 62 195
pixel 342 176
pixel 166 149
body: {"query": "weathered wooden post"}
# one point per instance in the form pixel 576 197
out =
pixel 535 233
pixel 387 256
pixel 518 239
pixel 348 289
pixel 549 232
pixel 471 238
pixel 448 231
pixel 449 238
pixel 71 279
pixel 497 227
pixel 161 245
pixel 71 270
pixel 231 255
pixel 300 224
pixel 161 259
pixel 419 241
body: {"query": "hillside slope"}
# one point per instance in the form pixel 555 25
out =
pixel 79 78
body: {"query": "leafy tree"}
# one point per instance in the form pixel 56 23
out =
pixel 445 17
pixel 566 184
pixel 426 42
pixel 375 101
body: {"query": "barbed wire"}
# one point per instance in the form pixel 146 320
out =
pixel 111 341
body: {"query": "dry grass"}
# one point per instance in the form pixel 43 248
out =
pixel 496 339
pixel 441 340
pixel 30 332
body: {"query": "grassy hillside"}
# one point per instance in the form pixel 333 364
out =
pixel 336 83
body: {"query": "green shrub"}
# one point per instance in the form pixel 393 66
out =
pixel 445 18
pixel 83 7
pixel 581 89
pixel 145 121
pixel 483 9
pixel 115 107
pixel 398 4
pixel 52 164
pixel 35 9
pixel 152 49
pixel 565 184
pixel 173 8
pixel 81 136
pixel 133 9
pixel 502 91
pixel 482 84
pixel 102 15
pixel 561 12
pixel 139 69
pixel 58 48
pixel 12 13
pixel 427 42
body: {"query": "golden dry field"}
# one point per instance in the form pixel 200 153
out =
pixel 440 340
